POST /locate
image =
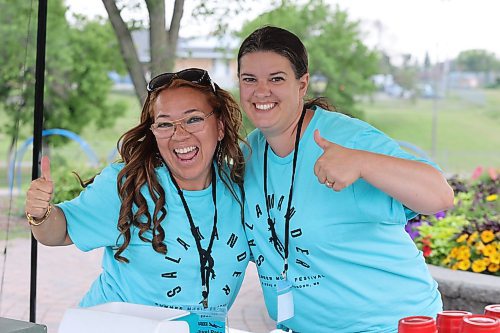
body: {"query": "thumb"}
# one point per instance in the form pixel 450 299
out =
pixel 320 141
pixel 45 167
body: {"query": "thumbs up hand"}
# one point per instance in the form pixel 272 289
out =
pixel 338 167
pixel 40 192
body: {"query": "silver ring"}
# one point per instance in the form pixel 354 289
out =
pixel 328 184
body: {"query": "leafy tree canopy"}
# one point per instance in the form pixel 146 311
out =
pixel 477 61
pixel 78 60
pixel 334 47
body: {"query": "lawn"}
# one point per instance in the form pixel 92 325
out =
pixel 467 127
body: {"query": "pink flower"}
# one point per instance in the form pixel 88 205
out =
pixel 493 174
pixel 477 172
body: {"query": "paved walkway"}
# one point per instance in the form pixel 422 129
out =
pixel 65 274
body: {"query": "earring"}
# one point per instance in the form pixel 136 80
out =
pixel 218 155
pixel 159 159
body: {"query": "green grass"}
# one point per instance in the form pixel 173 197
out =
pixel 103 141
pixel 467 132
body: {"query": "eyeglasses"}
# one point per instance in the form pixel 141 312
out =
pixel 193 123
pixel 195 75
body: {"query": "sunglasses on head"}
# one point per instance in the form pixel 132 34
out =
pixel 195 75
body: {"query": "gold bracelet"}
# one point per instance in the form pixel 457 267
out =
pixel 31 219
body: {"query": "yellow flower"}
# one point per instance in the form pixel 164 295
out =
pixel 464 264
pixel 492 197
pixel 489 250
pixel 493 268
pixel 478 266
pixel 495 258
pixel 454 252
pixel 462 238
pixel 479 247
pixel 487 236
pixel 463 253
pixel 472 238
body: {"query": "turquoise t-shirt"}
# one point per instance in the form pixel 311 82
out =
pixel 171 280
pixel 352 265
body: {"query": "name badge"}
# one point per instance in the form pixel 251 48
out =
pixel 285 300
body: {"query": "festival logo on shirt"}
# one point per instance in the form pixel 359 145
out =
pixel 308 277
pixel 190 250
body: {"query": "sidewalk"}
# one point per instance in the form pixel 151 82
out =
pixel 65 274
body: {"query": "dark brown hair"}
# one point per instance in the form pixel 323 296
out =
pixel 140 154
pixel 286 44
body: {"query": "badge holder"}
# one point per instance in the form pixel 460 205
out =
pixel 206 320
pixel 285 300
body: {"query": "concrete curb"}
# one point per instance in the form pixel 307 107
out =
pixel 466 290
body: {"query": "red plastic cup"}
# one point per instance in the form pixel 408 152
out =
pixel 480 324
pixel 417 324
pixel 450 321
pixel 492 310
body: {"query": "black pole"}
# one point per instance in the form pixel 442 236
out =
pixel 37 134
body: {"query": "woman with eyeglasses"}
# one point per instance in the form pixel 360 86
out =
pixel 169 215
pixel 328 198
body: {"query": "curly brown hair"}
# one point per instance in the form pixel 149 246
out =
pixel 139 152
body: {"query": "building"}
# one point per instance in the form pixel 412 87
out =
pixel 217 56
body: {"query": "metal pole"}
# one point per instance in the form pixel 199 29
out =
pixel 37 134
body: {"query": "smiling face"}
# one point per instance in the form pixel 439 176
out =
pixel 270 95
pixel 189 156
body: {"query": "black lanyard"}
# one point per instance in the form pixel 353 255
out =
pixel 274 237
pixel 206 259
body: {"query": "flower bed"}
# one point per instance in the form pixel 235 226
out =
pixel 467 237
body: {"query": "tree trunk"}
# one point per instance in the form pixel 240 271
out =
pixel 173 33
pixel 158 37
pixel 128 50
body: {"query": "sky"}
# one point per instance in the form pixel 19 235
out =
pixel 441 28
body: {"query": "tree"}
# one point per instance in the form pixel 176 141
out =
pixel 78 59
pixel 477 61
pixel 334 46
pixel 407 74
pixel 163 41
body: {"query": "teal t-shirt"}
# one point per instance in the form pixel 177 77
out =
pixel 352 265
pixel 171 280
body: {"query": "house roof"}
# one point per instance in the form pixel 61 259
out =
pixel 201 47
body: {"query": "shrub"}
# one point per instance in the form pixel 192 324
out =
pixel 66 182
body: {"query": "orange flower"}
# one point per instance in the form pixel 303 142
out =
pixel 493 268
pixel 487 236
